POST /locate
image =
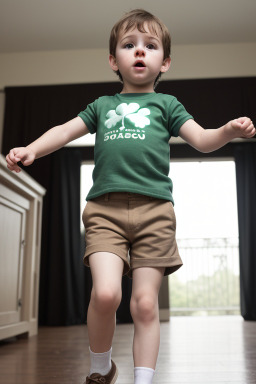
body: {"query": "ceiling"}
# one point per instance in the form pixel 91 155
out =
pixel 43 25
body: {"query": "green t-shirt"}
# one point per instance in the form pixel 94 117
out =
pixel 132 152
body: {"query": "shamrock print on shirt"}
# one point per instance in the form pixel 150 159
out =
pixel 130 111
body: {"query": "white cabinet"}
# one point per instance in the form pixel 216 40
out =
pixel 21 200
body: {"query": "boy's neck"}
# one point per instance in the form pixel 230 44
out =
pixel 127 88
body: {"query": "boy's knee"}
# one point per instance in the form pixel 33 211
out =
pixel 106 299
pixel 144 308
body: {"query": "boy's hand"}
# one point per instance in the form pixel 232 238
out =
pixel 23 154
pixel 242 127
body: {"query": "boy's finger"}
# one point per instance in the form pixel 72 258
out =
pixel 247 122
pixel 252 130
pixel 10 161
pixel 13 156
pixel 236 124
pixel 249 131
pixel 14 168
pixel 241 119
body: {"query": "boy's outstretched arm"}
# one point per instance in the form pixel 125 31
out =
pixel 49 142
pixel 208 140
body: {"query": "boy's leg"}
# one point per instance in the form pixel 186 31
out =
pixel 145 313
pixel 107 270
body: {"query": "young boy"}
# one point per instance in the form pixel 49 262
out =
pixel 130 206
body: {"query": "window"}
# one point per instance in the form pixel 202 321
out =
pixel 207 236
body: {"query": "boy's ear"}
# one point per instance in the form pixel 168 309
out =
pixel 166 64
pixel 112 63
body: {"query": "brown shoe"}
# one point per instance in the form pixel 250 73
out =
pixel 110 378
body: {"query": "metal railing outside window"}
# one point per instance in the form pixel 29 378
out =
pixel 208 282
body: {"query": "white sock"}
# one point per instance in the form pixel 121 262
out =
pixel 143 375
pixel 100 362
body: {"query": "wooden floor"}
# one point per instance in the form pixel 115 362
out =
pixel 202 350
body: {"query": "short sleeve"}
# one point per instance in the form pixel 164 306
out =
pixel 89 116
pixel 177 117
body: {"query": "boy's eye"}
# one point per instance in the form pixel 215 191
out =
pixel 150 46
pixel 128 46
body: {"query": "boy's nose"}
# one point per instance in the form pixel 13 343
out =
pixel 139 52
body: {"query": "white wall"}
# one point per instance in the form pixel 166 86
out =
pixel 82 66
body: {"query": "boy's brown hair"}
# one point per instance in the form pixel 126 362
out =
pixel 137 19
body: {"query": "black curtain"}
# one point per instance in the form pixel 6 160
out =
pixel 245 157
pixel 213 102
pixel 30 111
pixel 62 283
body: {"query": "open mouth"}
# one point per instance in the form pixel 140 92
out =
pixel 139 64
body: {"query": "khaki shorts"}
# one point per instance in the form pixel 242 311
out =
pixel 139 229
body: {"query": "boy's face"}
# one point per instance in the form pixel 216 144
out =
pixel 139 58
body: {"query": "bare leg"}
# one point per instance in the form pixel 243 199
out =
pixel 145 313
pixel 107 269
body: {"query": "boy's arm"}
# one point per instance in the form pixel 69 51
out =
pixel 52 140
pixel 208 140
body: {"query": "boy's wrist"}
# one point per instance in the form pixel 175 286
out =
pixel 230 131
pixel 31 150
